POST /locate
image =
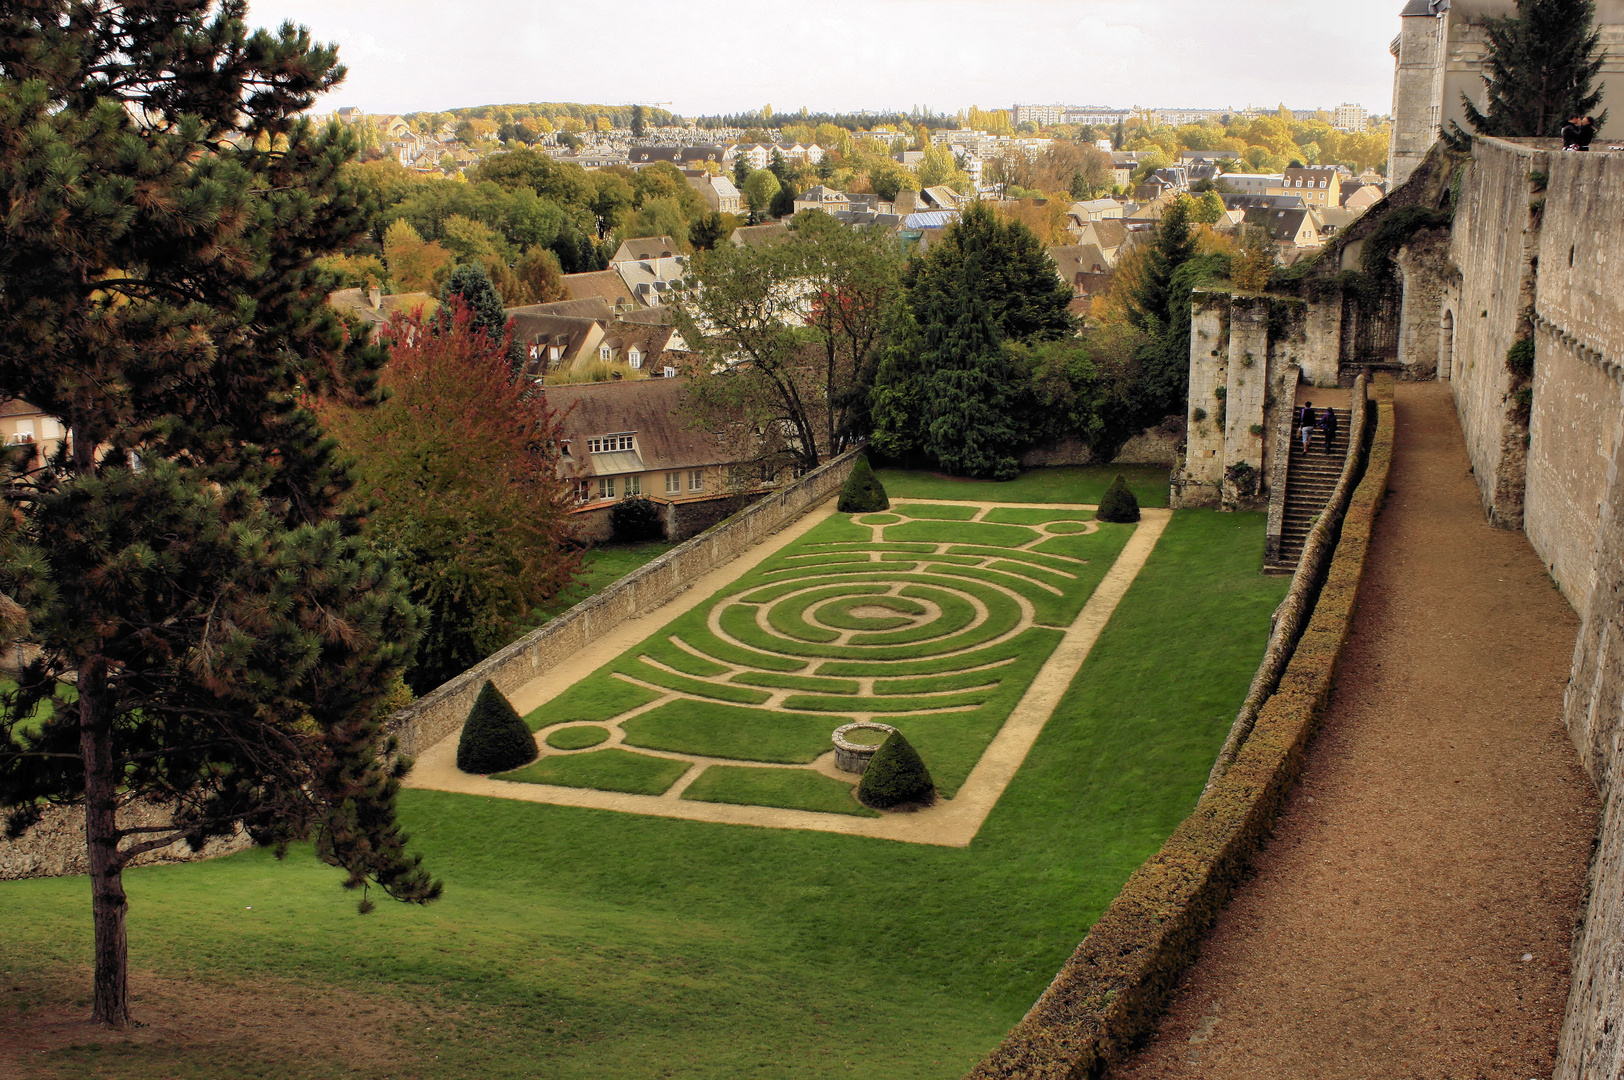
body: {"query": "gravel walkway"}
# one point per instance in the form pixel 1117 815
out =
pixel 1411 915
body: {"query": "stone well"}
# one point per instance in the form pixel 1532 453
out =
pixel 853 757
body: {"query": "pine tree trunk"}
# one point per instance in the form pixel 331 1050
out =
pixel 107 900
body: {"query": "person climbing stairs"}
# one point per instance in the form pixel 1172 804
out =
pixel 1310 479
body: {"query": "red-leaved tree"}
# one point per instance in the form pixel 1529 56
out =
pixel 457 474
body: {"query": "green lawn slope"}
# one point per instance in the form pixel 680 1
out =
pixel 578 944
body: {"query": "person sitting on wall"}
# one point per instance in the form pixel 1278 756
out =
pixel 1327 426
pixel 1577 133
pixel 1306 420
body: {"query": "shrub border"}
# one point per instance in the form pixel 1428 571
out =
pixel 1114 987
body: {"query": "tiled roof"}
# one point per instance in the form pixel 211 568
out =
pixel 651 408
pixel 601 283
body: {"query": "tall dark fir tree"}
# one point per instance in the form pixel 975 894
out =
pixel 1539 69
pixel 180 564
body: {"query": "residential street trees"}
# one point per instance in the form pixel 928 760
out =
pixel 786 337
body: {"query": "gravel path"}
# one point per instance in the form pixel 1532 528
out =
pixel 1411 915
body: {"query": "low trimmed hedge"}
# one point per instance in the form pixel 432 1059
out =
pixel 1113 989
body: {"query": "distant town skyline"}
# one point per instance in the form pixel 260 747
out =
pixel 848 55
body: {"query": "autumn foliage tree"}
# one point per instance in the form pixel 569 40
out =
pixel 457 477
pixel 181 563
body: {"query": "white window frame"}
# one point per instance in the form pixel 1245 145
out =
pixel 606 487
pixel 696 479
pixel 605 353
pixel 632 486
pixel 673 483
pixel 634 358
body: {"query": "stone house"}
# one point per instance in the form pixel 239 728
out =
pixel 627 439
pixel 22 424
pixel 1319 185
pixel 717 191
pixel 644 247
pixel 1295 229
pixel 650 280
pixel 822 198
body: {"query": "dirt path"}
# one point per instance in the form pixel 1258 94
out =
pixel 1411 916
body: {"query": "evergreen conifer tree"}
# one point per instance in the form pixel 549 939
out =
pixel 1017 285
pixel 472 284
pixel 969 395
pixel 1540 65
pixel 179 561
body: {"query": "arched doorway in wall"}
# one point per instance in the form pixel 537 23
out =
pixel 1446 344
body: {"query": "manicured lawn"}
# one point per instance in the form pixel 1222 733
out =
pixel 577 944
pixel 1075 484
pixel 606 770
pixel 790 788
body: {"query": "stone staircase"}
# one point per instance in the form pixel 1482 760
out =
pixel 1310 479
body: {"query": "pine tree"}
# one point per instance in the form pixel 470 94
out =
pixel 1172 247
pixel 180 563
pixel 1540 66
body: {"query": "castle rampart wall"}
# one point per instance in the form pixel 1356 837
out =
pixel 1539 246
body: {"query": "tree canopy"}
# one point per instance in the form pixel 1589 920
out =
pixel 1539 68
pixel 181 562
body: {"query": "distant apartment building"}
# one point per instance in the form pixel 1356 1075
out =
pixel 1179 117
pixel 1351 118
pixel 1095 115
pixel 1040 115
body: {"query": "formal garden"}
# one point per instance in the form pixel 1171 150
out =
pixel 576 942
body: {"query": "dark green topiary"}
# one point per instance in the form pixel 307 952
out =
pixel 494 739
pixel 862 493
pixel 637 519
pixel 896 775
pixel 1118 503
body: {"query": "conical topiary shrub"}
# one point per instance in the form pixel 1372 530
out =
pixel 896 775
pixel 1118 503
pixel 494 739
pixel 862 493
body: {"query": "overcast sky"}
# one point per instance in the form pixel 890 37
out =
pixel 710 56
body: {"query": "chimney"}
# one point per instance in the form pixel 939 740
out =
pixel 375 297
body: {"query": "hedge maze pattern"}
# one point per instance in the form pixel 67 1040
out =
pixel 932 618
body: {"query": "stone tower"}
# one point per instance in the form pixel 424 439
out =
pixel 1438 57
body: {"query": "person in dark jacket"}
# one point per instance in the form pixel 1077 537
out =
pixel 1306 420
pixel 1577 133
pixel 1327 426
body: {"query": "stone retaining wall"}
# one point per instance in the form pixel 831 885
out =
pixel 56 846
pixel 440 712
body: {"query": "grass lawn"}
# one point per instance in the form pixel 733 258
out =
pixel 607 770
pixel 577 944
pixel 1070 484
pixel 777 787
pixel 600 568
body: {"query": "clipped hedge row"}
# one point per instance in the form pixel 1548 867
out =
pixel 1115 986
